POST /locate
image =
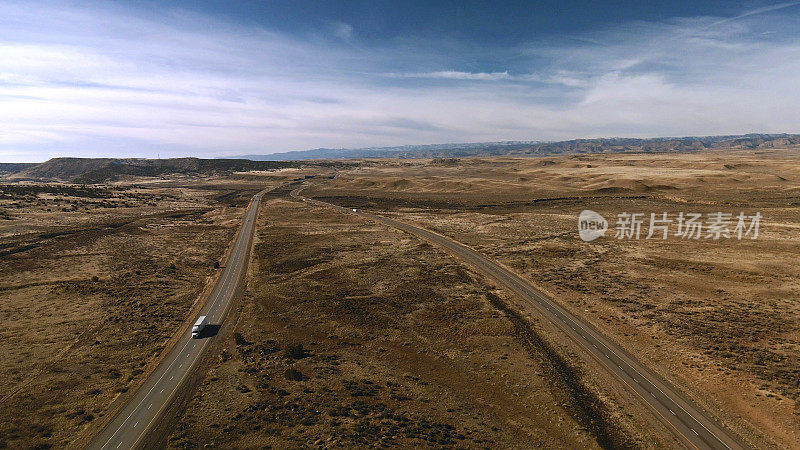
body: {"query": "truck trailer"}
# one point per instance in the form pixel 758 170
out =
pixel 198 327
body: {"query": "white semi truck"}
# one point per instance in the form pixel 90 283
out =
pixel 198 327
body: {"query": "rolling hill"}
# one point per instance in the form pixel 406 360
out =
pixel 98 170
pixel 534 148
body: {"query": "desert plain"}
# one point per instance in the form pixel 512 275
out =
pixel 353 334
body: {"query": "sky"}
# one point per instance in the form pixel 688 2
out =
pixel 222 78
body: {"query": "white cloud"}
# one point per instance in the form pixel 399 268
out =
pixel 756 11
pixel 342 30
pixel 563 77
pixel 73 81
pixel 454 75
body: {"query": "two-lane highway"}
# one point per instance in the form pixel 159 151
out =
pixel 142 411
pixel 689 423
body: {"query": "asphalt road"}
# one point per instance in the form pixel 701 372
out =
pixel 688 422
pixel 131 424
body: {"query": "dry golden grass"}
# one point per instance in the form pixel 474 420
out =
pixel 721 318
pixel 400 347
pixel 396 332
pixel 94 282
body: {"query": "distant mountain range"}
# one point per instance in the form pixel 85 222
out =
pixel 98 170
pixel 405 151
pixel 538 148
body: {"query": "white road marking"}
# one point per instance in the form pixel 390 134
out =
pixel 146 395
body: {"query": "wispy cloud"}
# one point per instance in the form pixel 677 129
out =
pixel 454 75
pixel 342 30
pixel 110 80
pixel 754 12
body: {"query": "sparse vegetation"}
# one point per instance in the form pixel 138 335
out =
pixel 293 374
pixel 352 334
pixel 718 316
pixel 295 351
pixel 364 317
pixel 91 291
pixel 240 340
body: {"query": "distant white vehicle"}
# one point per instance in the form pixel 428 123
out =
pixel 198 327
pixel 354 210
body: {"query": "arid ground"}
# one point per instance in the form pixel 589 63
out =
pixel 351 333
pixel 718 317
pixel 95 281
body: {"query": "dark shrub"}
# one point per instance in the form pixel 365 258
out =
pixel 295 351
pixel 239 339
pixel 293 374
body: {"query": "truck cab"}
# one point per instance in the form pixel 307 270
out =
pixel 197 329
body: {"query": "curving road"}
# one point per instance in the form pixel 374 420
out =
pixel 142 411
pixel 690 424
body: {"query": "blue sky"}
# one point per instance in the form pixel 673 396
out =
pixel 214 78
